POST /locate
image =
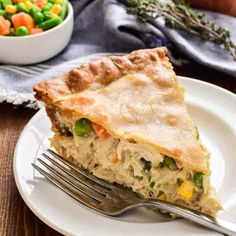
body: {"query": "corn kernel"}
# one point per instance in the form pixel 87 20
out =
pixel 53 15
pixel 10 9
pixel 56 9
pixel 59 1
pixel 162 197
pixel 8 23
pixel 186 189
pixel 28 5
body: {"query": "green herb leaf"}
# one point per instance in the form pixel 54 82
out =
pixel 196 132
pixel 198 179
pixel 180 16
pixel 169 162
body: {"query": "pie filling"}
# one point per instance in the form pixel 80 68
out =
pixel 143 137
pixel 145 171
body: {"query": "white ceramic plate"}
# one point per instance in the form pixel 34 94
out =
pixel 214 111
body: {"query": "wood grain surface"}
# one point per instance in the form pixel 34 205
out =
pixel 15 216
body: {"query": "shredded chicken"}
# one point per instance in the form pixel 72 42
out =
pixel 132 165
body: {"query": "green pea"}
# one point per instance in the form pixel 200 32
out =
pixel 198 179
pixel 21 31
pixel 50 23
pixel 2 12
pixel 47 6
pixel 83 127
pixel 47 15
pixel 7 16
pixel 38 17
pixel 64 9
pixel 20 7
pixel 33 10
pixel 6 2
pixel 169 162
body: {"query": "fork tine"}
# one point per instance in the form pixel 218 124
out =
pixel 80 170
pixel 68 181
pixel 121 206
pixel 56 182
pixel 98 189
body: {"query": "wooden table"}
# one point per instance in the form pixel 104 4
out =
pixel 15 216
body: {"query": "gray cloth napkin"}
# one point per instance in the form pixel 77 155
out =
pixel 104 26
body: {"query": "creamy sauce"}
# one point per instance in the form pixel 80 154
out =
pixel 129 168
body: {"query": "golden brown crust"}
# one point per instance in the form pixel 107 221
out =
pixel 144 103
pixel 103 71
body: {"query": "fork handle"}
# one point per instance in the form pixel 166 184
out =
pixel 204 220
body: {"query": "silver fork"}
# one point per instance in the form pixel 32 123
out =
pixel 113 199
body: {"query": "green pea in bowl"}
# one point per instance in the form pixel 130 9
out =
pixel 35 48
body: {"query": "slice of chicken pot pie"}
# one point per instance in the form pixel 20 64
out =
pixel 124 119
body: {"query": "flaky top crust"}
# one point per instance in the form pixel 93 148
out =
pixel 135 97
pixel 103 71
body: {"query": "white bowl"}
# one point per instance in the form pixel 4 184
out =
pixel 39 47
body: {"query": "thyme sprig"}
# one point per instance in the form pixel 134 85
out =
pixel 178 15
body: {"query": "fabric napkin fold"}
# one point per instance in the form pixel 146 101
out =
pixel 104 26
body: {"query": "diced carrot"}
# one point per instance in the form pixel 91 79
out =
pixel 17 1
pixel 114 158
pixel 39 3
pixel 4 26
pixel 100 131
pixel 22 19
pixel 17 20
pixel 36 30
